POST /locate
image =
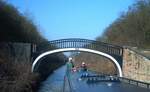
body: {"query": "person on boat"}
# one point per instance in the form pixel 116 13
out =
pixel 70 66
pixel 84 66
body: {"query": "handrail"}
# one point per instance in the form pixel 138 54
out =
pixel 83 43
pixel 135 82
pixel 67 79
pixel 138 52
pixel 123 79
pixel 64 84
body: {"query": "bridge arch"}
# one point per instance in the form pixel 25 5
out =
pixel 79 49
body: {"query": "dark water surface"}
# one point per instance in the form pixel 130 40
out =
pixel 54 83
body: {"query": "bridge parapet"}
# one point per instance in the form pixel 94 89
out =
pixel 82 43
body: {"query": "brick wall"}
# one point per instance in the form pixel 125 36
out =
pixel 136 66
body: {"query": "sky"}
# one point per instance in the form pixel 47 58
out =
pixel 60 19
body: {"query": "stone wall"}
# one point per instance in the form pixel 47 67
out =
pixel 136 66
pixel 17 52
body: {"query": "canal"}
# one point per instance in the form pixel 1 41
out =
pixel 54 83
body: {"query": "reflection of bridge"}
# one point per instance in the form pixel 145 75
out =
pixel 112 52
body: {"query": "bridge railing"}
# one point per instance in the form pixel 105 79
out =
pixel 95 78
pixel 135 82
pixel 84 43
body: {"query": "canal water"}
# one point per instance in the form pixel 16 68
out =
pixel 54 83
